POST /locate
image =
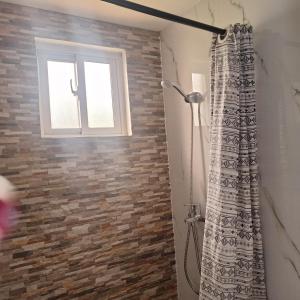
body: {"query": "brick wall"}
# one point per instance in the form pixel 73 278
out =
pixel 96 214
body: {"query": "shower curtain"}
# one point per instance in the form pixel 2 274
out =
pixel 232 261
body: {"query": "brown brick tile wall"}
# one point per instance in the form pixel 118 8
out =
pixel 96 214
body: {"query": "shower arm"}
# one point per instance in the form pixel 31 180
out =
pixel 179 90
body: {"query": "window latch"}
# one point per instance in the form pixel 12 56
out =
pixel 74 92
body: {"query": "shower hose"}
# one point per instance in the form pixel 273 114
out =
pixel 193 217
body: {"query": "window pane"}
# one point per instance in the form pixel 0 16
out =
pixel 63 104
pixel 98 95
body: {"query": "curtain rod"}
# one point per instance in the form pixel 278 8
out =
pixel 167 16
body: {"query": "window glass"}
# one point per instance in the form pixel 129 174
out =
pixel 64 108
pixel 99 95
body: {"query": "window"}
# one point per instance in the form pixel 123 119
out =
pixel 83 90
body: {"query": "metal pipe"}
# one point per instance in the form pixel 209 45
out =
pixel 167 16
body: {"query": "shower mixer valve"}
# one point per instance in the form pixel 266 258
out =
pixel 196 218
pixel 194 214
pixel 193 232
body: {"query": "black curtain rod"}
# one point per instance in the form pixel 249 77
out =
pixel 167 16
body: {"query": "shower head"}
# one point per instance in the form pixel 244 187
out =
pixel 194 97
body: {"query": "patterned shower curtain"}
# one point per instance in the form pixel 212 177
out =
pixel 233 262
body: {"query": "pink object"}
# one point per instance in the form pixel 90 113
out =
pixel 8 212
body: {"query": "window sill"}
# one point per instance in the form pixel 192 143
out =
pixel 66 136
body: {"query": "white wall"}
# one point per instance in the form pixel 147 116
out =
pixel 277 41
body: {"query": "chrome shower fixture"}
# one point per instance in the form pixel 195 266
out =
pixel 193 97
pixel 195 214
pixel 194 218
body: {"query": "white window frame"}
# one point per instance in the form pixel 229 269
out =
pixel 78 54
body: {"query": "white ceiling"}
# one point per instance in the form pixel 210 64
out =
pixel 96 9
